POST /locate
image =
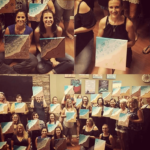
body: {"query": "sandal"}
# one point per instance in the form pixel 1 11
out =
pixel 146 50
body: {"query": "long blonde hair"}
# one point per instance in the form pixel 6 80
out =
pixel 88 103
pixel 66 105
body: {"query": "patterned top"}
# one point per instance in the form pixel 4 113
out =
pixel 66 4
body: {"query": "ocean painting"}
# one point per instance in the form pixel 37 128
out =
pixel 84 114
pixel 116 92
pixel 125 91
pixel 69 75
pixel 111 53
pixel 19 147
pixel 136 91
pixel 33 125
pixel 123 119
pixel 78 102
pixel 7 6
pixel 7 127
pixel 19 107
pixel 35 11
pixel 76 85
pixel 37 91
pixel 99 144
pixel 89 86
pixel 145 91
pixel 116 84
pixel 84 140
pixel 52 47
pixel 96 111
pixel 2 145
pixel 115 114
pixel 68 89
pixel 70 116
pixel 17 46
pixel 106 95
pixel 97 76
pixel 111 76
pixel 103 86
pixel 51 127
pixel 3 109
pixel 94 97
pixel 55 108
pixel 60 144
pixel 43 144
pixel 107 111
pixel 84 76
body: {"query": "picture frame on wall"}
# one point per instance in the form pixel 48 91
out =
pixel 111 76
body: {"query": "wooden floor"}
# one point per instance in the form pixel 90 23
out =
pixel 141 62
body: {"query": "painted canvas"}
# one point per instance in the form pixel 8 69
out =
pixel 7 127
pixel 106 95
pixel 76 85
pixel 52 47
pixel 68 89
pixel 7 6
pixel 89 86
pixel 96 111
pixel 43 144
pixel 17 46
pixel 136 91
pixel 94 97
pixel 145 91
pixel 60 144
pixel 84 140
pixel 78 102
pixel 51 127
pixel 84 76
pixel 84 114
pixel 70 116
pixel 116 84
pixel 3 109
pixel 111 76
pixel 19 147
pixel 107 111
pixel 123 119
pixel 125 91
pixel 35 11
pixel 37 91
pixel 2 145
pixel 115 113
pixel 103 86
pixel 69 75
pixel 55 108
pixel 19 107
pixel 33 125
pixel 99 144
pixel 116 92
pixel 97 76
pixel 111 53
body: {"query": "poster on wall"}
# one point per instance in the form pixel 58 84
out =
pixel 94 98
pixel 78 102
pixel 76 85
pixel 97 76
pixel 84 76
pixel 3 145
pixel 17 46
pixel 55 108
pixel 52 47
pixel 136 91
pixel 96 111
pixel 3 109
pixel 68 89
pixel 69 75
pixel 111 53
pixel 7 127
pixel 145 91
pixel 84 114
pixel 116 84
pixel 103 86
pixel 116 92
pixel 89 86
pixel 43 143
pixel 123 120
pixel 115 113
pixel 60 144
pixel 19 147
pixel 106 95
pixel 70 117
pixel 107 111
pixel 33 125
pixel 99 144
pixel 111 76
pixel 20 107
pixel 125 91
pixel 84 140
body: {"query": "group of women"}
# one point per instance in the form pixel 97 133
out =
pixel 104 128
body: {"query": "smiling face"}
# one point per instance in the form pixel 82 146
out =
pixel 48 19
pixel 99 102
pixel 38 99
pixel 112 103
pixel 55 100
pixel 52 117
pixel 20 129
pixel 15 118
pixel 19 99
pixel 105 129
pixel 58 131
pixel 85 100
pixel 20 19
pixel 89 122
pixel 35 116
pixel 69 103
pixel 122 105
pixel 44 132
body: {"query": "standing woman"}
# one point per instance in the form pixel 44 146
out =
pixel 117 26
pixel 84 24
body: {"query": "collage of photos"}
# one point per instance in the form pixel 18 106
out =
pixel 74 74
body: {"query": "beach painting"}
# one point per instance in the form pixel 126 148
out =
pixel 60 144
pixel 7 6
pixel 116 84
pixel 96 111
pixel 37 91
pixel 84 114
pixel 111 53
pixel 103 86
pixel 52 47
pixel 89 86
pixel 111 76
pixel 84 140
pixel 97 76
pixel 43 143
pixel 7 127
pixel 17 46
pixel 3 109
pixel 19 147
pixel 51 127
pixel 55 108
pixel 94 97
pixel 125 91
pixel 106 95
pixel 70 116
pixel 107 111
pixel 123 120
pixel 84 76
pixel 68 89
pixel 35 11
pixel 99 144
pixel 19 107
pixel 136 91
pixel 33 125
pixel 76 85
pixel 69 75
pixel 3 145
pixel 115 113
pixel 145 91
pixel 116 92
pixel 78 102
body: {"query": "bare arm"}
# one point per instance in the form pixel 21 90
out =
pixel 111 139
pixel 36 142
pixel 63 113
pixel 101 27
pixel 29 143
pixel 37 37
pixel 140 116
pixel 12 109
pixel 44 102
pixel 26 109
pixel 7 31
pixel 32 102
pixel 12 144
pixel 31 35
pixel 51 6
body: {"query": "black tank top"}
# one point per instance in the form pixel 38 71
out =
pixel 107 141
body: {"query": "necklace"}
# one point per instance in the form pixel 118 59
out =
pixel 114 28
pixel 18 31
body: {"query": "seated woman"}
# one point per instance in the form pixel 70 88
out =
pixel 52 120
pixel 91 130
pixel 117 26
pixel 48 29
pixel 20 138
pixel 23 116
pixel 107 137
pixel 23 65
